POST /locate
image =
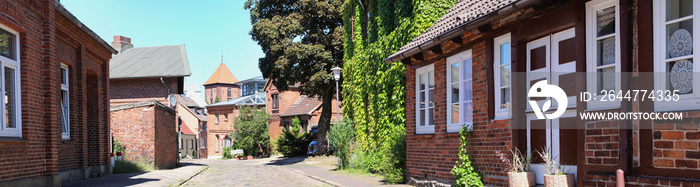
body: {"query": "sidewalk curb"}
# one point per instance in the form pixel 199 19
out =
pixel 193 175
pixel 314 177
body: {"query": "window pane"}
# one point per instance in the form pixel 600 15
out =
pixel 505 53
pixel 606 51
pixel 505 97
pixel 10 98
pixel 505 75
pixel 680 76
pixel 468 90
pixel 679 39
pixel 467 69
pixel 468 112
pixel 455 92
pixel 64 112
pixel 431 79
pixel 421 81
pixel 605 21
pixel 421 119
pixel 421 99
pixel 64 76
pixel 678 8
pixel 431 119
pixel 455 72
pixel 7 44
pixel 431 98
pixel 455 113
pixel 606 79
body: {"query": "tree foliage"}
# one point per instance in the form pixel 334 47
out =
pixel 374 92
pixel 302 40
pixel 293 143
pixel 250 131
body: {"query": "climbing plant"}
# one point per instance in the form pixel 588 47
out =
pixel 464 173
pixel 374 92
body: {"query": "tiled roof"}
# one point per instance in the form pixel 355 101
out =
pixel 221 75
pixel 462 13
pixel 186 130
pixel 303 106
pixel 160 61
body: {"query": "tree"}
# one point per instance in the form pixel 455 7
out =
pixel 216 100
pixel 302 40
pixel 250 131
pixel 292 142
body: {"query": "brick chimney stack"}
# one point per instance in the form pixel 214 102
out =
pixel 122 43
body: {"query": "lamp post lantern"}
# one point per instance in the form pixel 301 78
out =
pixel 336 76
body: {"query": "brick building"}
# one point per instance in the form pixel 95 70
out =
pixel 474 68
pixel 141 80
pixel 145 73
pixel 221 117
pixel 284 106
pixel 221 84
pixel 193 118
pixel 147 131
pixel 55 85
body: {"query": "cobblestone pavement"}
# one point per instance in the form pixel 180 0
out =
pixel 258 172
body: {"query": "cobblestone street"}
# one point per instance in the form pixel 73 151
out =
pixel 259 172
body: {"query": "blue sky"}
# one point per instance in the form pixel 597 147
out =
pixel 205 27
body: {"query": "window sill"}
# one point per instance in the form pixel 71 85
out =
pixel 13 139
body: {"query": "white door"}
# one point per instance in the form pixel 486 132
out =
pixel 552 58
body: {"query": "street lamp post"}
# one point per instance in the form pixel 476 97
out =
pixel 336 75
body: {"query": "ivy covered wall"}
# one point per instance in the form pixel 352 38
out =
pixel 374 92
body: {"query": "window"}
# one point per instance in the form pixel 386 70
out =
pixel 603 53
pixel 228 142
pixel 217 119
pixel 228 93
pixel 211 96
pixel 181 143
pixel 9 86
pixel 192 144
pixel 459 94
pixel 65 104
pixel 674 56
pixel 202 145
pixel 425 88
pixel 275 101
pixel 501 69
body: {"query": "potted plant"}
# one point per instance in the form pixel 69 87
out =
pixel 518 168
pixel 555 175
pixel 238 156
pixel 250 157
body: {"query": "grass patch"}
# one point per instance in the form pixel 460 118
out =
pixel 125 166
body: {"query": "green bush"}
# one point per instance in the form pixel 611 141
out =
pixel 291 142
pixel 227 153
pixel 251 133
pixel 118 146
pixel 125 166
pixel 463 171
pixel 342 136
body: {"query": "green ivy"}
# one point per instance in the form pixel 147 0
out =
pixel 374 92
pixel 463 171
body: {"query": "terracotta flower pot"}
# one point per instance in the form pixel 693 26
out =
pixel 238 157
pixel 559 180
pixel 250 157
pixel 521 179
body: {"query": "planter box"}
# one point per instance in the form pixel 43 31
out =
pixel 521 179
pixel 559 180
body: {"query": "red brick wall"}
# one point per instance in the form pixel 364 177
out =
pixel 221 91
pixel 166 141
pixel 203 135
pixel 131 90
pixel 148 133
pixel 47 39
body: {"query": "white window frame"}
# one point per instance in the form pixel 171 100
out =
pixel 500 112
pixel 12 64
pixel 427 128
pixel 65 103
pixel 687 101
pixel 592 52
pixel 464 59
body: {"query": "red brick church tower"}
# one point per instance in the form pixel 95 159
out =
pixel 221 85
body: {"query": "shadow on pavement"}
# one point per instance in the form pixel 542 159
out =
pixel 281 161
pixel 108 182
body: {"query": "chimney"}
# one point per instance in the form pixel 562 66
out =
pixel 122 43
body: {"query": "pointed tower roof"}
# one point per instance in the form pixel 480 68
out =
pixel 222 75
